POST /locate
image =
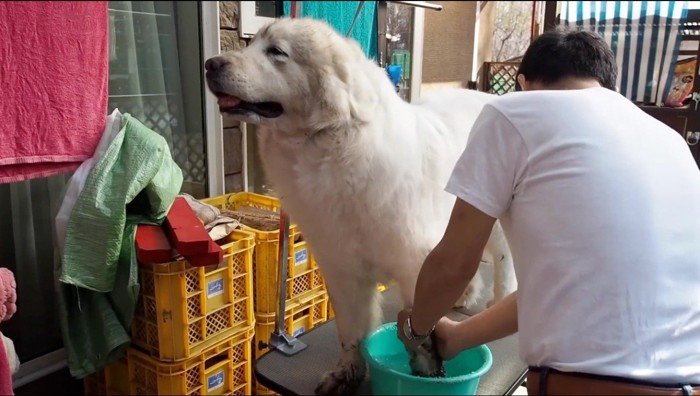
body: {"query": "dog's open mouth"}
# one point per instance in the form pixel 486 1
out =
pixel 233 105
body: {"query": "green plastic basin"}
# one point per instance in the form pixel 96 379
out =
pixel 390 373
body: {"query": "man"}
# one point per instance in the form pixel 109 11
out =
pixel 601 207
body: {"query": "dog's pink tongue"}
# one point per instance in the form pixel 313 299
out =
pixel 229 101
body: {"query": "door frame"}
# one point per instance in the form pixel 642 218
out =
pixel 213 122
pixel 417 52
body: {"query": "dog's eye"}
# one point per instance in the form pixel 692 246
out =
pixel 275 51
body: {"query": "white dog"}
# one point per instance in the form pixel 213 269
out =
pixel 358 169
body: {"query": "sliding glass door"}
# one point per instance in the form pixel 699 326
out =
pixel 155 61
pixel 155 75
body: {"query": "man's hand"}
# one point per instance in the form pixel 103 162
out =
pixel 411 345
pixel 501 320
pixel 447 337
pixel 445 334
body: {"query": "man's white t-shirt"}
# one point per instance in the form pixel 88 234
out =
pixel 600 204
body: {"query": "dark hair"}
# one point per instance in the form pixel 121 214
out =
pixel 561 53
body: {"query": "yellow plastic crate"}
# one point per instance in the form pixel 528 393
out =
pixel 184 309
pixel 236 201
pixel 307 283
pixel 301 315
pixel 93 385
pixel 267 242
pixel 223 369
pixel 111 380
pixel 302 275
pixel 300 259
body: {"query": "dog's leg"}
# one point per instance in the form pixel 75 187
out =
pixel 424 360
pixel 357 312
pixel 472 293
pixel 498 281
pixel 408 278
pixel 504 281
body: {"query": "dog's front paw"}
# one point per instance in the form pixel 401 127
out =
pixel 344 379
pixel 425 361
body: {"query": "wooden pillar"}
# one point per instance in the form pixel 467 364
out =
pixel 551 15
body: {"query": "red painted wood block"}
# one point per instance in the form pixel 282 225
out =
pixel 152 246
pixel 185 230
pixel 213 256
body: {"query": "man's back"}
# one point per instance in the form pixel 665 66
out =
pixel 606 208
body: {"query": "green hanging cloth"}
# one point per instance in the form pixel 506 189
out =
pixel 97 283
pixel 340 14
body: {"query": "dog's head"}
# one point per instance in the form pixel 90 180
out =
pixel 296 74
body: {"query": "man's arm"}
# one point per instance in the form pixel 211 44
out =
pixel 499 321
pixel 450 266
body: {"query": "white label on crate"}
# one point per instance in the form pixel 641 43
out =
pixel 215 288
pixel 301 257
pixel 215 381
pixel 298 332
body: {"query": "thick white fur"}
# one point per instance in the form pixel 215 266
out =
pixel 359 170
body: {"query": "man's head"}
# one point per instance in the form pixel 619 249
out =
pixel 561 59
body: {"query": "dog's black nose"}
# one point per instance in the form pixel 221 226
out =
pixel 215 63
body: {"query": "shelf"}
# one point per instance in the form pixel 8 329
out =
pixel 668 110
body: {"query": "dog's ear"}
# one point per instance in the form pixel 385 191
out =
pixel 347 94
pixel 351 67
pixel 330 108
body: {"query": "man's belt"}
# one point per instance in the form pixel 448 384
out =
pixel 547 381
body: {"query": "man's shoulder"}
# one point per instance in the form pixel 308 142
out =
pixel 524 98
pixel 514 103
pixel 547 103
pixel 516 107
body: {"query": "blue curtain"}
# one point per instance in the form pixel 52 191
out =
pixel 340 14
pixel 644 35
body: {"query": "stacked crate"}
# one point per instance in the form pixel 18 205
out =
pixel 113 380
pixel 192 329
pixel 306 298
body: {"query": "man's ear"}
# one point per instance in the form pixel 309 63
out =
pixel 522 84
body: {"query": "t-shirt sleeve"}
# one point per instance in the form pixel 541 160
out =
pixel 491 166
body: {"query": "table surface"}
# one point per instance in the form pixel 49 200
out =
pixel 299 374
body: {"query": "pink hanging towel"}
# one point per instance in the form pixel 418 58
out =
pixel 5 371
pixel 53 85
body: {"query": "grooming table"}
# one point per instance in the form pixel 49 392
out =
pixel 299 374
